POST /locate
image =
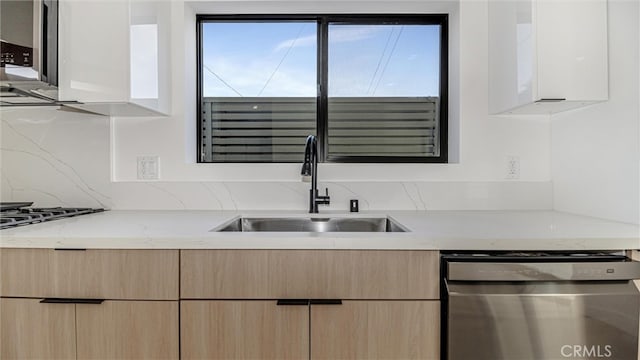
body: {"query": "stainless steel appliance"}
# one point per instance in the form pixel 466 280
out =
pixel 29 40
pixel 551 305
pixel 29 53
pixel 15 214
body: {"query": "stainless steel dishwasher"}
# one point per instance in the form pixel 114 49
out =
pixel 542 306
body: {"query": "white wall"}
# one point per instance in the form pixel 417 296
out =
pixel 475 180
pixel 596 150
pixel 61 158
pixel 57 158
pixel 480 143
pixel 480 146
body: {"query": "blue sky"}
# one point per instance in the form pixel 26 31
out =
pixel 279 59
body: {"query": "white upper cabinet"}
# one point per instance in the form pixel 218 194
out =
pixel 114 56
pixel 547 56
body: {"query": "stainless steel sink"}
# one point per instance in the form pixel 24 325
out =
pixel 312 224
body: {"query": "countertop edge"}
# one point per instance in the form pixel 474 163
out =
pixel 429 230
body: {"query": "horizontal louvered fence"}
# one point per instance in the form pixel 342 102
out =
pixel 258 129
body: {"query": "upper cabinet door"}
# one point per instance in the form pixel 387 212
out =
pixel 572 50
pixel 547 56
pixel 116 53
pixel 93 50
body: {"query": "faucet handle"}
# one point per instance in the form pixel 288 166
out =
pixel 326 199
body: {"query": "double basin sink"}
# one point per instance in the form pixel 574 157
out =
pixel 311 224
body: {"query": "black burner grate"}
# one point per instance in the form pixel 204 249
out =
pixel 14 217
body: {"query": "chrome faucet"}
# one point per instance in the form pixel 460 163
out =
pixel 310 168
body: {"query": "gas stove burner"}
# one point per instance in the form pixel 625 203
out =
pixel 19 214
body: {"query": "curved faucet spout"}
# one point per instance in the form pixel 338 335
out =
pixel 310 144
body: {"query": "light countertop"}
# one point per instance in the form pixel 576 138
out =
pixel 439 230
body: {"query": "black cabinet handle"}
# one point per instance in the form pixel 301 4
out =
pixel 69 249
pixel 326 302
pixel 71 301
pixel 283 302
pixel 551 100
pixel 295 302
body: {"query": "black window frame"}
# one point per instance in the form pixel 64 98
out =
pixel 322 131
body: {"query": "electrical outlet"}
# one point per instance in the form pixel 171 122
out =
pixel 148 168
pixel 513 167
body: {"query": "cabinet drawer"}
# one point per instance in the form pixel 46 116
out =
pixel 105 274
pixel 309 274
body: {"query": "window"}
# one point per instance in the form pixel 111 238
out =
pixel 372 88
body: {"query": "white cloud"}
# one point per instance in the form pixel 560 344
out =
pixel 309 40
pixel 249 79
pixel 353 33
pixel 336 35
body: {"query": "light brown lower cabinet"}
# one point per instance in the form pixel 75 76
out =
pixel 128 330
pixel 91 273
pixel 255 329
pixel 110 330
pixel 376 330
pixel 31 330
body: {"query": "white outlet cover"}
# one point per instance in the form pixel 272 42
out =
pixel 148 168
pixel 513 167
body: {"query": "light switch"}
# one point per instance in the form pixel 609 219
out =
pixel 513 167
pixel 148 168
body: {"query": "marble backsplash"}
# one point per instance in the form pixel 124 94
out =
pixel 57 158
pixel 295 195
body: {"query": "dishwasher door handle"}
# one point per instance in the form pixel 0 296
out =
pixel 522 288
pixel 543 271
